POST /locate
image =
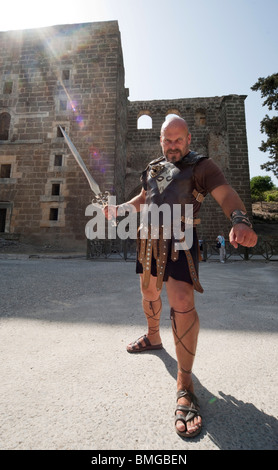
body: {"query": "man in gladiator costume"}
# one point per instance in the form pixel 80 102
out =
pixel 182 177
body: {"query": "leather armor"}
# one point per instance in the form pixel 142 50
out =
pixel 168 183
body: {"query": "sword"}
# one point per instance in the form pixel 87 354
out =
pixel 100 197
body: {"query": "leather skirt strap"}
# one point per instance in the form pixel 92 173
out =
pixel 193 272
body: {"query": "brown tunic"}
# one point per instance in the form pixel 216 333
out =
pixel 159 258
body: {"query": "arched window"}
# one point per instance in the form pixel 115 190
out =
pixel 200 117
pixel 144 121
pixel 5 120
pixel 172 113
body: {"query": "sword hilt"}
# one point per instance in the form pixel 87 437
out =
pixel 101 199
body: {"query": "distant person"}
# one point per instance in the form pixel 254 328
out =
pixel 222 248
pixel 182 177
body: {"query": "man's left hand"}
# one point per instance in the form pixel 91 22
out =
pixel 243 235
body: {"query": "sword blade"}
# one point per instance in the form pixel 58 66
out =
pixel 93 185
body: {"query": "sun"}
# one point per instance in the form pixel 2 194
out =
pixel 27 14
pixel 30 14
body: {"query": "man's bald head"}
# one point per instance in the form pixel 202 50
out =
pixel 174 122
pixel 175 138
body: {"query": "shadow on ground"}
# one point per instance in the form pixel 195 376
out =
pixel 230 423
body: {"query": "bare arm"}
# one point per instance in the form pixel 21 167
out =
pixel 229 201
pixel 138 200
pixel 135 203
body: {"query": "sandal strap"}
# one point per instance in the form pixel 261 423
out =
pixel 184 393
pixel 185 409
pixel 138 343
pixel 191 411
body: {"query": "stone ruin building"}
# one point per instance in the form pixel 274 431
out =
pixel 73 76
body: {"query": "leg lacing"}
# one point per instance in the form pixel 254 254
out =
pixel 180 369
pixel 152 310
pixel 178 339
pixel 185 326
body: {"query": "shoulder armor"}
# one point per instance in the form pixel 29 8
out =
pixel 192 158
pixel 157 160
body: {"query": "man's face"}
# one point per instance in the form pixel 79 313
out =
pixel 175 142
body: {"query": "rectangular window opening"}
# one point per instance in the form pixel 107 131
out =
pixel 8 88
pixel 5 171
pixel 63 105
pixel 65 74
pixel 58 160
pixel 59 132
pixel 53 213
pixel 55 189
pixel 3 214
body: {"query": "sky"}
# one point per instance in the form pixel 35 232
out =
pixel 179 48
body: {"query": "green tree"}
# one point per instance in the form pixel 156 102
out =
pixel 261 184
pixel 258 186
pixel 269 125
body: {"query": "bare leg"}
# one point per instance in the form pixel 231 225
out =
pixel 152 306
pixel 185 324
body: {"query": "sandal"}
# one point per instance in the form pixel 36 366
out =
pixel 191 411
pixel 137 346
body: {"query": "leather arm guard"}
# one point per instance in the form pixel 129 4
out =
pixel 240 217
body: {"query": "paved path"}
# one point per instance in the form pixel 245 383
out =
pixel 68 383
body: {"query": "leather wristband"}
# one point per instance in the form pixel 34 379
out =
pixel 240 217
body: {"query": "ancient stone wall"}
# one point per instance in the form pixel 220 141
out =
pixel 73 76
pixel 218 130
pixel 69 75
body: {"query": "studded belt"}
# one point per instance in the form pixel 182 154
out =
pixel 158 248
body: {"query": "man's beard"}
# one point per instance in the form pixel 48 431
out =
pixel 173 157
